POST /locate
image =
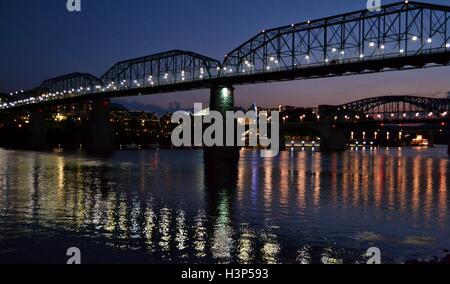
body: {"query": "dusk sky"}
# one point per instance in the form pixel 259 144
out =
pixel 41 39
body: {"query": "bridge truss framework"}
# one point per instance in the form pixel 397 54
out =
pixel 400 36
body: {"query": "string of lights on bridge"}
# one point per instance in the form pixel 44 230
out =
pixel 151 82
pixel 380 117
pixel 272 62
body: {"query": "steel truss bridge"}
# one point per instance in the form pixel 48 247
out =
pixel 397 108
pixel 401 36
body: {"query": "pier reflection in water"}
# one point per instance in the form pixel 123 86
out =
pixel 172 207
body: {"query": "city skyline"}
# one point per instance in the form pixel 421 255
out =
pixel 29 64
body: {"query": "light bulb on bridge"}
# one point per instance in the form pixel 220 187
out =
pixel 414 38
pixel 447 45
pixel 429 40
pixel 372 44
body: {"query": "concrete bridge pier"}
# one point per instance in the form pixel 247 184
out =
pixel 222 100
pixel 38 131
pixel 332 138
pixel 101 136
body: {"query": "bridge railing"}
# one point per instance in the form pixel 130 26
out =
pixel 228 72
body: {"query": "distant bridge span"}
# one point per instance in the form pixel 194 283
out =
pixel 397 105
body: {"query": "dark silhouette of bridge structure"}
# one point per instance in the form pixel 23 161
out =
pixel 401 36
pixel 391 108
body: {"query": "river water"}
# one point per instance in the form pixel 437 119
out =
pixel 171 207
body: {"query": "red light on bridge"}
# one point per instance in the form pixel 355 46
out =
pixel 382 125
pixel 105 104
pixel 443 124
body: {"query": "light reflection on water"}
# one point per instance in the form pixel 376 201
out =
pixel 169 206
